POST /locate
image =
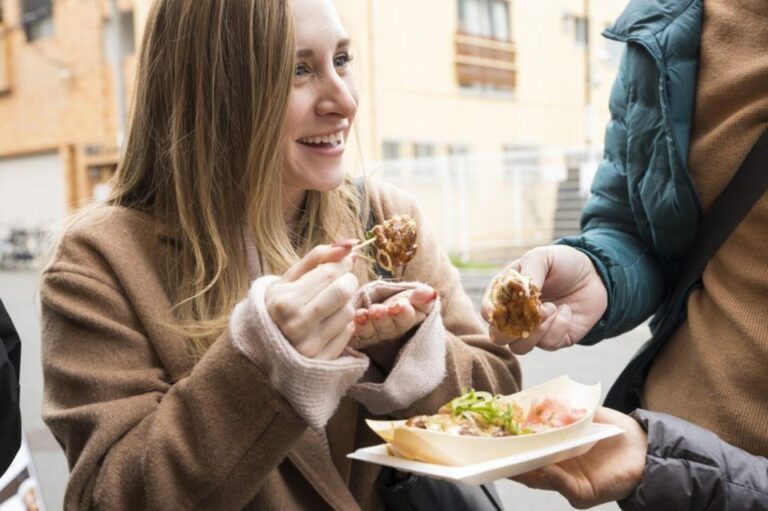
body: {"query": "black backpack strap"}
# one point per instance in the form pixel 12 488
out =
pixel 724 215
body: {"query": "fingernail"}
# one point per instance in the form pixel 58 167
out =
pixel 550 308
pixel 346 243
pixel 361 319
pixel 565 309
pixel 395 310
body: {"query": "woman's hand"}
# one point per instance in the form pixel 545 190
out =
pixel 390 320
pixel 610 471
pixel 312 302
pixel 573 298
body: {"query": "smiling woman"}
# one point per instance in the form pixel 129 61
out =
pixel 323 102
pixel 199 326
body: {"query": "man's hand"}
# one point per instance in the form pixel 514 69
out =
pixel 610 471
pixel 573 298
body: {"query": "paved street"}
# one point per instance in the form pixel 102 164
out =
pixel 19 292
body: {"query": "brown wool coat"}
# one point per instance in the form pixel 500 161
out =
pixel 144 428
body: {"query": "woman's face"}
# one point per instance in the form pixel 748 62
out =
pixel 323 100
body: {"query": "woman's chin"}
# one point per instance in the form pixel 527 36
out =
pixel 330 182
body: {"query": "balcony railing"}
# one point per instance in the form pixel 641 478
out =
pixel 485 62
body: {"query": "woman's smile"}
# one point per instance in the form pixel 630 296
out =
pixel 329 145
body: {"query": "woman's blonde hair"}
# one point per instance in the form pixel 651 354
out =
pixel 203 153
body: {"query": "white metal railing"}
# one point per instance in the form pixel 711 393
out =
pixel 485 206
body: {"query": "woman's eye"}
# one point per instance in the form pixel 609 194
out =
pixel 342 60
pixel 302 70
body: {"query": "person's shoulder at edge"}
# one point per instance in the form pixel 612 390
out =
pixel 102 229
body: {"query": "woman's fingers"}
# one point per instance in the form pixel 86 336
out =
pixel 336 346
pixel 405 316
pixel 396 316
pixel 317 256
pixel 332 297
pixel 364 329
pixel 423 299
pixel 382 321
pixel 330 327
pixel 312 283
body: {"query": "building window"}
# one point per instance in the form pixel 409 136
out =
pixel 423 150
pixel 581 31
pixel 485 55
pixel 578 26
pixel 5 78
pixel 37 19
pixel 390 150
pixel 424 166
pixel 485 18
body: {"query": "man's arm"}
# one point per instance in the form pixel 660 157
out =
pixel 633 277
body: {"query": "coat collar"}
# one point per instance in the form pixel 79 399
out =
pixel 643 17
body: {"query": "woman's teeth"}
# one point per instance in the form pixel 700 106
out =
pixel 335 139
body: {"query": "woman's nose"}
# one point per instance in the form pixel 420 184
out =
pixel 338 97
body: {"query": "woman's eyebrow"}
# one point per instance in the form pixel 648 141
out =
pixel 306 53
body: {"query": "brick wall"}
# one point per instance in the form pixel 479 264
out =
pixel 60 90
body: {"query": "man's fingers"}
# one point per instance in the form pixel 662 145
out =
pixel 486 307
pixel 535 479
pixel 535 264
pixel 317 256
pixel 522 346
pixel 556 337
pixel 548 310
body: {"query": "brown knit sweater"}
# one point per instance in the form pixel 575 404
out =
pixel 714 371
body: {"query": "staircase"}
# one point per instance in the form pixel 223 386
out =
pixel 569 206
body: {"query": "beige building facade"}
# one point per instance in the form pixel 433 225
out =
pixel 437 78
pixel 450 75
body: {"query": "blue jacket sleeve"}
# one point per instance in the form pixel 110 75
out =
pixel 688 467
pixel 630 270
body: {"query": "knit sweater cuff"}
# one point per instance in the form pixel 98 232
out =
pixel 313 387
pixel 420 365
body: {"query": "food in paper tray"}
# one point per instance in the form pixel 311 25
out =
pixel 478 426
pixel 515 304
pixel 483 414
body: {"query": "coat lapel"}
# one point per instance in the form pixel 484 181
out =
pixel 312 458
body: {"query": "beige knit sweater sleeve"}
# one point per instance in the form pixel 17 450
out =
pixel 314 387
